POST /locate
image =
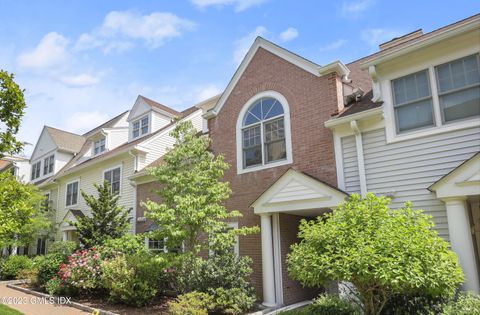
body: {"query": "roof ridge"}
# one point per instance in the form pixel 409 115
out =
pixel 160 105
pixel 65 131
pixel 105 123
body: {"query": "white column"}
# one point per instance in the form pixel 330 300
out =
pixel 267 261
pixel 461 240
pixel 65 236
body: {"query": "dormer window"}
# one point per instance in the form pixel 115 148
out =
pixel 99 146
pixel 140 127
pixel 36 170
pixel 48 164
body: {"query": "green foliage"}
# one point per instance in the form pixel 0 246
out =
pixel 466 304
pixel 13 264
pixel 400 304
pixel 62 248
pixel 12 109
pixel 382 252
pixel 82 271
pixel 327 304
pixel 54 286
pixel 30 274
pixel 21 218
pixel 108 219
pixel 193 303
pixel 232 301
pixel 126 244
pixel 192 195
pixel 132 279
pixel 5 310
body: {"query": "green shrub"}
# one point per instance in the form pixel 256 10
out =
pixel 54 286
pixel 193 303
pixel 383 252
pixel 466 304
pixel 132 279
pixel 232 301
pixel 13 264
pixel 127 244
pixel 63 248
pixel 29 274
pixel 82 271
pixel 413 304
pixel 327 304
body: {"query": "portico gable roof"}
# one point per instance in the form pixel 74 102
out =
pixel 297 192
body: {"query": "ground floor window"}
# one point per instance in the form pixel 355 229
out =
pixel 41 246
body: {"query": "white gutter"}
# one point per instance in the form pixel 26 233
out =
pixel 331 123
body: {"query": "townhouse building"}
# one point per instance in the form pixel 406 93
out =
pixel 300 137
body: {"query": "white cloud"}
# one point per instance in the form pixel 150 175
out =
pixel 50 52
pixel 240 5
pixel 375 36
pixel 355 7
pixel 207 92
pixel 120 29
pixel 82 79
pixel 289 34
pixel 333 45
pixel 81 122
pixel 243 44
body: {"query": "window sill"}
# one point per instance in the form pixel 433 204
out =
pixel 471 123
pixel 264 167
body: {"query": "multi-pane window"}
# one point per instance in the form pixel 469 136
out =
pixel 140 127
pixel 72 194
pixel 48 164
pixel 99 146
pixel 36 170
pixel 458 84
pixel 41 246
pixel 156 245
pixel 46 202
pixel 113 178
pixel 412 101
pixel 263 133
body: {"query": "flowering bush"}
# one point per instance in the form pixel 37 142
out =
pixel 82 270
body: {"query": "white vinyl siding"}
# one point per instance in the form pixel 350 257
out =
pixel 408 168
pixel 350 165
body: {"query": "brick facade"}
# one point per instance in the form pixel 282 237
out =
pixel 144 192
pixel 311 99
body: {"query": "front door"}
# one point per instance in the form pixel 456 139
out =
pixel 475 224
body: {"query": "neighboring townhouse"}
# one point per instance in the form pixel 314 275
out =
pixel 114 151
pixel 17 165
pixel 422 143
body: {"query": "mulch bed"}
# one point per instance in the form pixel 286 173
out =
pixel 157 307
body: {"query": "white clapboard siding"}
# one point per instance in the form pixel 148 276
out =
pixel 408 168
pixel 350 165
pixel 94 174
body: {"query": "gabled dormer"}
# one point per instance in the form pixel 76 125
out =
pixel 148 116
pixel 53 150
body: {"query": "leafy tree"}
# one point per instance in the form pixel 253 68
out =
pixel 12 109
pixel 21 216
pixel 382 252
pixel 192 195
pixel 108 219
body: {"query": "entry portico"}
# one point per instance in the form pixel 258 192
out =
pixel 294 193
pixel 460 190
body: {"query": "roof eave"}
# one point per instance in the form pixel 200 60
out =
pixel 333 122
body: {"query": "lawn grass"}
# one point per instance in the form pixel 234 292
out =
pixel 5 310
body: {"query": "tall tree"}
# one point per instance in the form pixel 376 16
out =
pixel 108 220
pixel 192 195
pixel 21 214
pixel 12 109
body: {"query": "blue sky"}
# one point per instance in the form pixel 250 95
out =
pixel 82 62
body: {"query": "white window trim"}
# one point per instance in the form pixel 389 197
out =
pixel 147 243
pixel 236 246
pixel 48 165
pixel 120 166
pixel 66 193
pixel 139 120
pixel 93 146
pixel 288 137
pixel 439 127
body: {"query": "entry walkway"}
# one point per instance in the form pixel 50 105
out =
pixel 26 303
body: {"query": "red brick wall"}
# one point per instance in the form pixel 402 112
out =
pixel 311 99
pixel 145 192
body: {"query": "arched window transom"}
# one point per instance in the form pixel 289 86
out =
pixel 263 133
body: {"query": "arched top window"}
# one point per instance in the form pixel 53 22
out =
pixel 263 133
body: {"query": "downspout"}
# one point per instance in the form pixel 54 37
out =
pixel 134 185
pixel 360 159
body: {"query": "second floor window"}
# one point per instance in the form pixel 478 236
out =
pixel 36 170
pixel 113 177
pixel 263 133
pixel 140 127
pixel 72 194
pixel 48 164
pixel 458 85
pixel 99 146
